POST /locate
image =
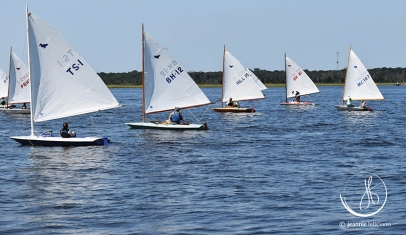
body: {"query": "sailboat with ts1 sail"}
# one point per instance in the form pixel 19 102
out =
pixel 62 85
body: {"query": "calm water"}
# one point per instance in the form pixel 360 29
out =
pixel 279 170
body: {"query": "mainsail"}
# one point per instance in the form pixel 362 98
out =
pixel 358 82
pixel 298 80
pixel 166 82
pixel 256 79
pixel 237 83
pixel 3 84
pixel 19 81
pixel 63 83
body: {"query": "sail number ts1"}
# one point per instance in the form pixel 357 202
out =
pixel 75 66
pixel 171 71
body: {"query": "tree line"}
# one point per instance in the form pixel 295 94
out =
pixel 379 75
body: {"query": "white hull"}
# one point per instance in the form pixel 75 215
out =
pixel 234 110
pixel 297 103
pixel 345 108
pixel 59 141
pixel 161 126
pixel 16 111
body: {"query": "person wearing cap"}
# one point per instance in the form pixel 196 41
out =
pixel 176 116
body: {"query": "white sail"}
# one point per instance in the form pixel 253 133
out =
pixel 166 82
pixel 298 80
pixel 256 79
pixel 237 82
pixel 358 83
pixel 3 84
pixel 63 83
pixel 19 81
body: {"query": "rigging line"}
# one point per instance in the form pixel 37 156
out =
pixel 94 123
pixel 317 96
pixel 112 116
pixel 198 119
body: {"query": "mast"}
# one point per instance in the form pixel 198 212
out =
pixel 143 75
pixel 286 77
pixel 222 80
pixel 346 73
pixel 9 73
pixel 29 64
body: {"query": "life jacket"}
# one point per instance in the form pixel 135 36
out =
pixel 176 117
pixel 65 133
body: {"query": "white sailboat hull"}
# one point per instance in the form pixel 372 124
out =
pixel 44 140
pixel 297 103
pixel 16 111
pixel 346 108
pixel 234 110
pixel 162 126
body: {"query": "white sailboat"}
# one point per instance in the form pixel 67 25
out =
pixel 238 84
pixel 3 88
pixel 166 85
pixel 62 85
pixel 297 81
pixel 19 87
pixel 358 85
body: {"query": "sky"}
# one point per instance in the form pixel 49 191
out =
pixel 107 33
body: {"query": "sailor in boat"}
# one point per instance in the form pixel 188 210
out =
pixel 3 101
pixel 175 117
pixel 24 106
pixel 230 103
pixel 349 102
pixel 65 132
pixel 297 96
pixel 363 104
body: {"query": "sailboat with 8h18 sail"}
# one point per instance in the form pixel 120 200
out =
pixel 165 84
pixel 60 89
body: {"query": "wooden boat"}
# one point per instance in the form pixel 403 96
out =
pixel 53 86
pixel 166 85
pixel 358 84
pixel 238 84
pixel 297 81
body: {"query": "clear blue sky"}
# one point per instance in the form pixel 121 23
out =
pixel 107 33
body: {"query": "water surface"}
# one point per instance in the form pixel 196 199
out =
pixel 279 170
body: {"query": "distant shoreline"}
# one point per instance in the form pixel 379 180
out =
pixel 267 85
